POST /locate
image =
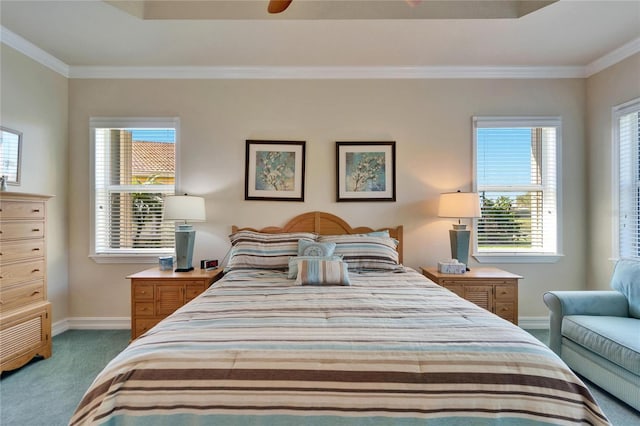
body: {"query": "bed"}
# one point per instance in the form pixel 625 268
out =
pixel 391 348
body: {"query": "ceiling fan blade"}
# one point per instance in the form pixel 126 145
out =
pixel 277 6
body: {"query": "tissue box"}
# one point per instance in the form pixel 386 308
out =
pixel 452 267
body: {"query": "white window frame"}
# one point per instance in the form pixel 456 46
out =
pixel 125 122
pixel 616 113
pixel 522 256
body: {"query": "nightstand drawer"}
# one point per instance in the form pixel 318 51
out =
pixel 193 291
pixel 143 292
pixel 143 325
pixel 506 311
pixel 455 288
pixel 505 292
pixel 144 309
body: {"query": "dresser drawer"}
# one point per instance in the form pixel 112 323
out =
pixel 21 230
pixel 21 295
pixel 20 250
pixel 143 292
pixel 144 309
pixel 21 272
pixel 21 209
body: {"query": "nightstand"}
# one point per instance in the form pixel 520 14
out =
pixel 490 288
pixel 156 294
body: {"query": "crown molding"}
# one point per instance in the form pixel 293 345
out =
pixel 613 57
pixel 325 72
pixel 29 49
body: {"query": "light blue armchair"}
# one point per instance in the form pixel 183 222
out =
pixel 597 333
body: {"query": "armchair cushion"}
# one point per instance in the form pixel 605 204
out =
pixel 626 280
pixel 614 338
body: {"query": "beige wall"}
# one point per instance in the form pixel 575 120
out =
pixel 613 86
pixel 430 120
pixel 34 101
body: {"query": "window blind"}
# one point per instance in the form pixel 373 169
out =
pixel 626 119
pixel 134 169
pixel 516 177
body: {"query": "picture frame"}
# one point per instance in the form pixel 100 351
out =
pixel 365 171
pixel 10 155
pixel 274 170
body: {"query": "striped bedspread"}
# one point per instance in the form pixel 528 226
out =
pixel 391 349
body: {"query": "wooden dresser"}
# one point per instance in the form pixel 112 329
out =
pixel 156 294
pixel 25 313
pixel 490 288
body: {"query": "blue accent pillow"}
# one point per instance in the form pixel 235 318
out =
pixel 313 248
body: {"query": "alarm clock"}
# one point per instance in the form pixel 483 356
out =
pixel 209 264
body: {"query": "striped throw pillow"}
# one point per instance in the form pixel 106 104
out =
pixel 293 263
pixel 259 250
pixel 365 252
pixel 322 272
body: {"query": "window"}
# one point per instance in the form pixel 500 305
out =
pixel 134 163
pixel 516 176
pixel 626 135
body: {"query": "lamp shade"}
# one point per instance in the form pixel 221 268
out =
pixel 459 204
pixel 184 207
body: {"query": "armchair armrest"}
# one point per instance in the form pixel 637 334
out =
pixel 596 303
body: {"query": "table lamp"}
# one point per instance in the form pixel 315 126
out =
pixel 184 208
pixel 460 205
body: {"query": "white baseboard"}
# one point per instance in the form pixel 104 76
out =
pixel 124 323
pixel 91 323
pixel 534 323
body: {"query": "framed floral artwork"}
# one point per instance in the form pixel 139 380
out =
pixel 366 171
pixel 274 170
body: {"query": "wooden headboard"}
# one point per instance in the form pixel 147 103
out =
pixel 325 224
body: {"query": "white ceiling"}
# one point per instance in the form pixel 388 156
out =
pixel 93 33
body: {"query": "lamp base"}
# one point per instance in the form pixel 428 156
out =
pixel 459 239
pixel 185 237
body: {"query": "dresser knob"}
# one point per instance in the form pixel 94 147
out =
pixel 35 211
pixel 35 270
pixel 35 249
pixel 35 292
pixel 36 230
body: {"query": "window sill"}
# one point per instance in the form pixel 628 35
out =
pixel 516 258
pixel 127 258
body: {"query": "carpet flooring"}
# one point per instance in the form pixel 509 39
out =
pixel 46 392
